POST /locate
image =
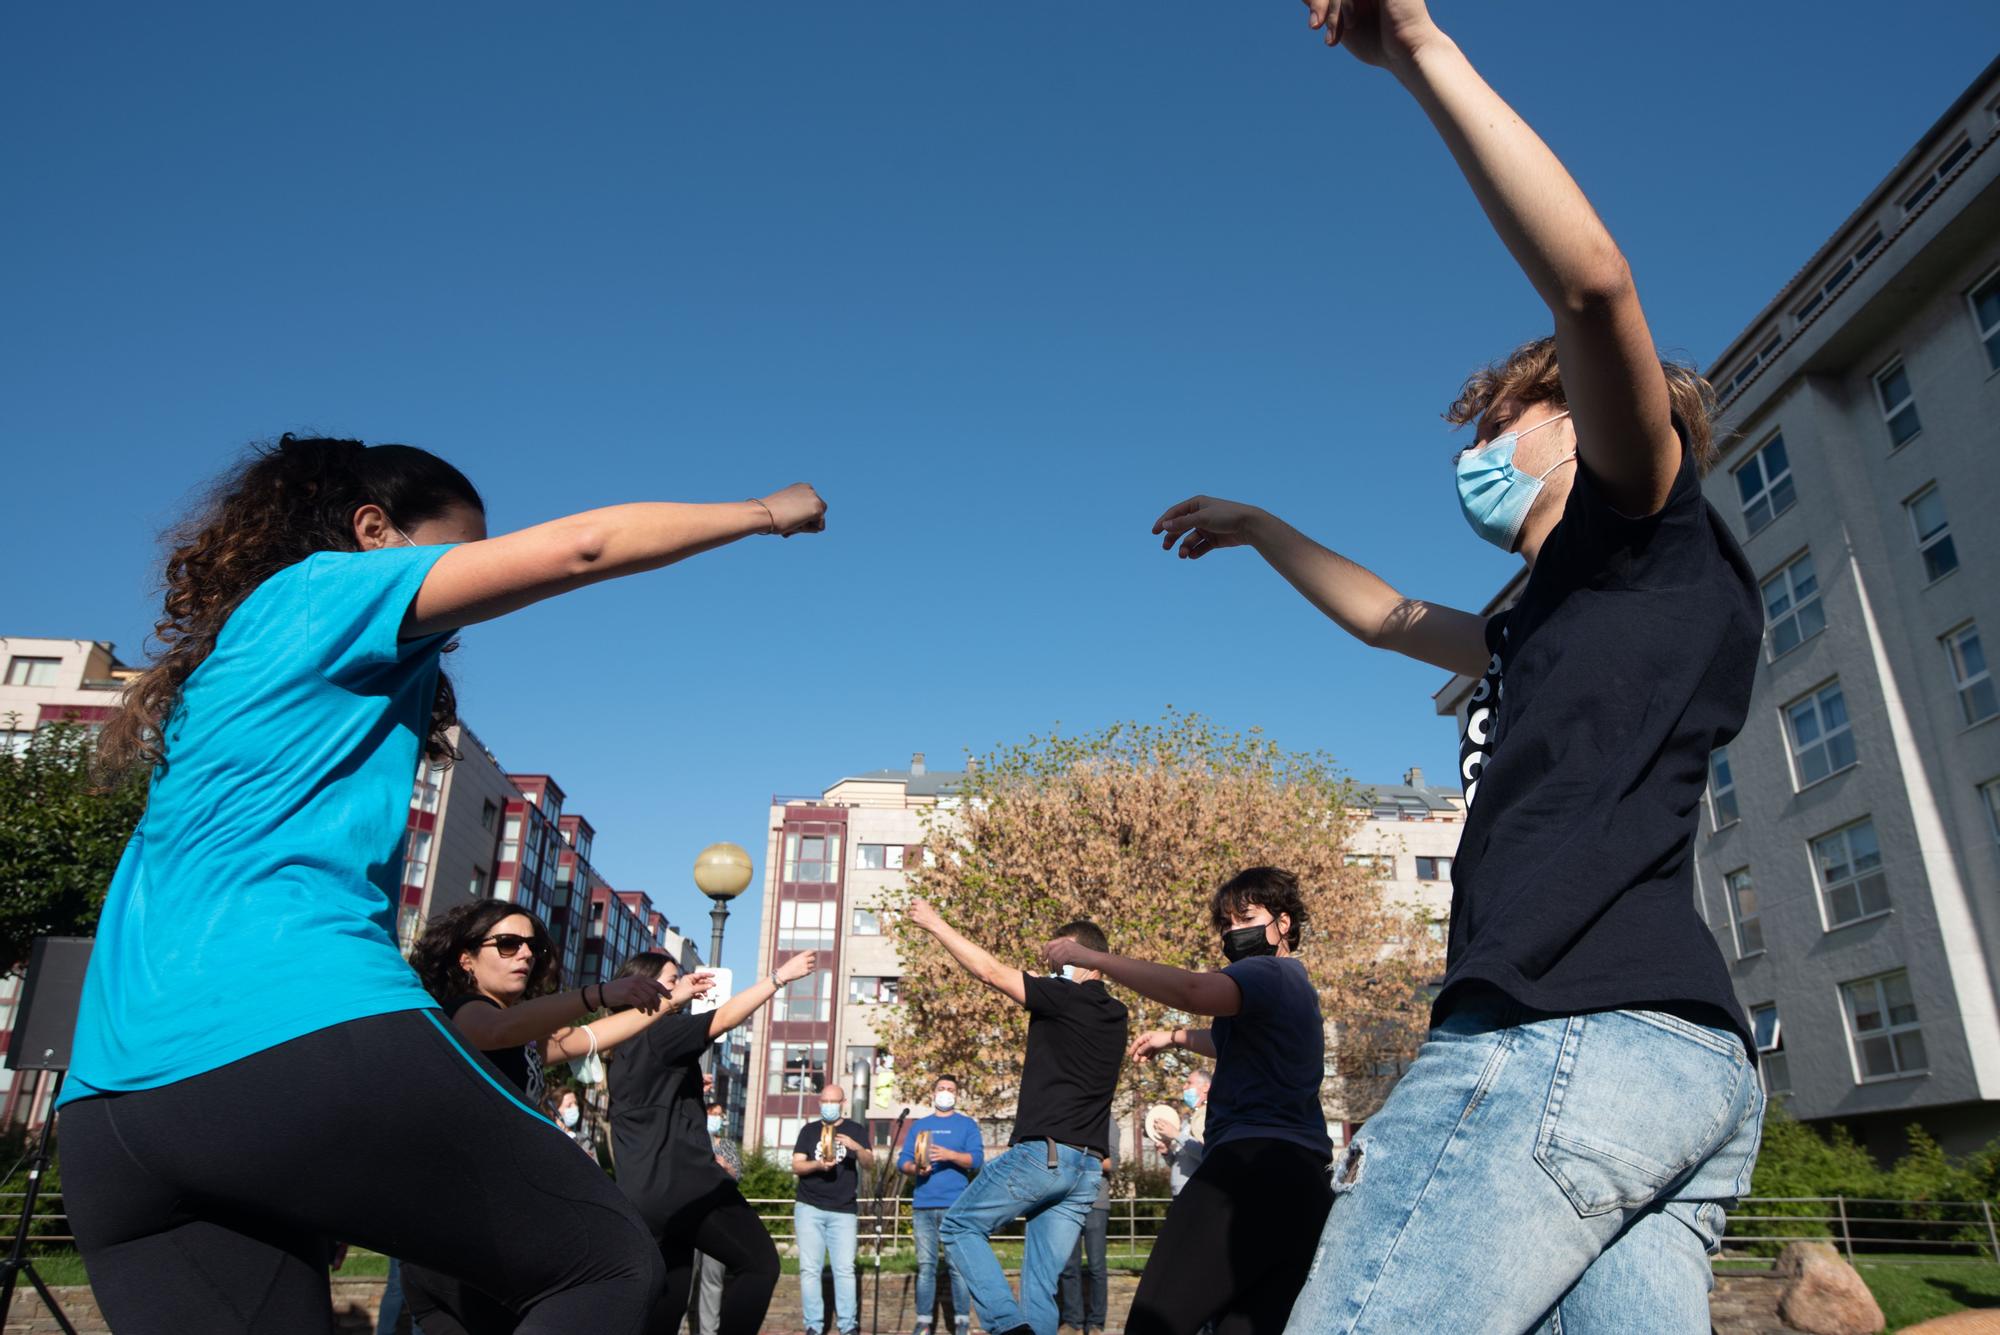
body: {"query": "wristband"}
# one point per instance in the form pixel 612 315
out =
pixel 767 513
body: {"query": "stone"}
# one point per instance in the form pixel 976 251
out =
pixel 1823 1293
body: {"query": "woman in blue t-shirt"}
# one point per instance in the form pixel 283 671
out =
pixel 246 1006
pixel 1238 1239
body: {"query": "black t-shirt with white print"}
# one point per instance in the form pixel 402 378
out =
pixel 1628 659
pixel 520 1064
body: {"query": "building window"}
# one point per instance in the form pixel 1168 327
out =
pixel 1852 884
pixel 1743 909
pixel 1792 610
pixel 1771 1063
pixel 488 813
pixel 812 859
pixel 476 887
pixel 1764 484
pixel 1899 403
pixel 1931 180
pixel 14 741
pixel 797 1068
pixel 510 840
pixel 32 671
pixel 1749 368
pixel 879 857
pixel 1977 700
pixel 1933 532
pixel 417 865
pixel 1840 275
pixel 806 924
pixel 1434 869
pixel 504 889
pixel 865 922
pixel 1822 741
pixel 810 998
pixel 425 796
pixel 1989 797
pixel 1985 301
pixel 867 990
pixel 1721 789
pixel 1882 1019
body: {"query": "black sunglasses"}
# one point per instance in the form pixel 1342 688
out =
pixel 508 945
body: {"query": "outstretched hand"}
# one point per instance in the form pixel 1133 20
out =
pixel 1378 32
pixel 1151 1042
pixel 796 509
pixel 795 968
pixel 635 991
pixel 924 914
pixel 689 986
pixel 1208 523
pixel 1063 950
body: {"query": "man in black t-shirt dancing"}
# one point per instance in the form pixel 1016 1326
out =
pixel 1076 1043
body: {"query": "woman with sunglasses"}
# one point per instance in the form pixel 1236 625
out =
pixel 489 964
pixel 256 1068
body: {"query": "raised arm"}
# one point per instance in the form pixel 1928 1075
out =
pixel 1182 989
pixel 1359 601
pixel 490 1028
pixel 602 1035
pixel 752 998
pixel 1611 372
pixel 973 959
pixel 478 581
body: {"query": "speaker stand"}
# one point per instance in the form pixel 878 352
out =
pixel 17 1262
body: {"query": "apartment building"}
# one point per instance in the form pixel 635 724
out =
pixel 1847 860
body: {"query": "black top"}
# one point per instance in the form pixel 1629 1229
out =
pixel 1270 1058
pixel 1076 1045
pixel 1628 658
pixel 841 1189
pixel 520 1066
pixel 659 1123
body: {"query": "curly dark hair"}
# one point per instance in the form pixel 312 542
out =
pixel 284 502
pixel 1274 888
pixel 457 931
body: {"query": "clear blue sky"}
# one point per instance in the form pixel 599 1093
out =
pixel 1003 283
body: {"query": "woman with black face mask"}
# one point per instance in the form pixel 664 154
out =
pixel 1239 1239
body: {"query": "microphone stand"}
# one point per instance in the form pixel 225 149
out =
pixel 882 1201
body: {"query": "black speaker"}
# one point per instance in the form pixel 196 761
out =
pixel 46 1022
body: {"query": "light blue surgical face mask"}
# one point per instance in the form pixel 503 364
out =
pixel 1070 971
pixel 829 1112
pixel 1190 1098
pixel 1495 495
pixel 714 1124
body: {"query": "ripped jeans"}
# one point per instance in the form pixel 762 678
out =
pixel 1563 1174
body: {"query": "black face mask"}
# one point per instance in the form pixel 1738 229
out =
pixel 1246 942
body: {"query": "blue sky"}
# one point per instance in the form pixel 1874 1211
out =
pixel 1002 283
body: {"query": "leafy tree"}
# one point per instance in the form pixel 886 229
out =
pixel 61 835
pixel 1134 827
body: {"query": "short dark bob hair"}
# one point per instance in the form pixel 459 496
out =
pixel 1275 889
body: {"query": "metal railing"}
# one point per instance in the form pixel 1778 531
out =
pixel 1870 1229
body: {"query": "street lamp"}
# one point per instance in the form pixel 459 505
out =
pixel 722 872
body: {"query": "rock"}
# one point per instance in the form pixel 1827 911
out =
pixel 1958 1323
pixel 1823 1294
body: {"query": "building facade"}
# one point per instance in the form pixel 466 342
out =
pixel 1847 861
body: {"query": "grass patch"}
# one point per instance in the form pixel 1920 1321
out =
pixel 1917 1291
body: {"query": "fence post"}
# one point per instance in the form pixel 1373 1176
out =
pixel 1992 1237
pixel 1846 1238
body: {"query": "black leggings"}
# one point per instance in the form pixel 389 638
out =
pixel 720 1224
pixel 1237 1242
pixel 210 1204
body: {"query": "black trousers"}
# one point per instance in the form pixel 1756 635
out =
pixel 1237 1242
pixel 720 1224
pixel 211 1204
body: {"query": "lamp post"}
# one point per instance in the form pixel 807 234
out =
pixel 722 872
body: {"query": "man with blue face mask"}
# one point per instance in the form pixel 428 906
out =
pixel 941 1152
pixel 828 1160
pixel 1576 960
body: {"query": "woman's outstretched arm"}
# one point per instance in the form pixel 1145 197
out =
pixel 1610 370
pixel 478 581
pixel 754 997
pixel 1182 989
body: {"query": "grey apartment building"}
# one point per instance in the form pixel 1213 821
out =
pixel 1847 861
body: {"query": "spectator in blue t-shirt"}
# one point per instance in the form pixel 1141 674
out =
pixel 952 1154
pixel 1239 1238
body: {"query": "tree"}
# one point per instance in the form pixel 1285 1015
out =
pixel 1134 827
pixel 61 835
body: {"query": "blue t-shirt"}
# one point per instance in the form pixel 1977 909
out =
pixel 255 901
pixel 1269 1059
pixel 952 1131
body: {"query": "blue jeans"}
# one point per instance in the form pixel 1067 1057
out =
pixel 390 1314
pixel 925 1223
pixel 825 1234
pixel 1054 1200
pixel 1565 1174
